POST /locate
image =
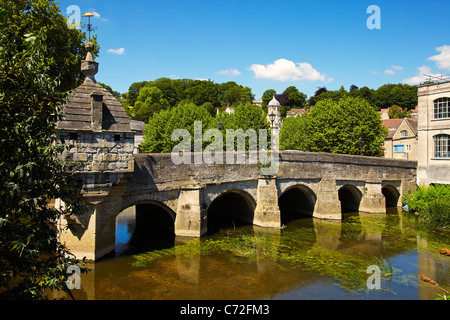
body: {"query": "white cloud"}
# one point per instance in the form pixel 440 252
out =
pixel 443 59
pixel 97 15
pixel 423 74
pixel 393 70
pixel 230 72
pixel 286 70
pixel 117 51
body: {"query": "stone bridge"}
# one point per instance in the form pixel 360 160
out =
pixel 192 200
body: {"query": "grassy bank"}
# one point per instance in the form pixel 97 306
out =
pixel 431 203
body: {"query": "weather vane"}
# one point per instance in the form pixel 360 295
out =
pixel 89 26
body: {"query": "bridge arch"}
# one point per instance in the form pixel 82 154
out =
pixel 229 209
pixel 392 196
pixel 149 225
pixel 350 198
pixel 295 201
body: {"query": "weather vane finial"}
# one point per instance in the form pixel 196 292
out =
pixel 89 26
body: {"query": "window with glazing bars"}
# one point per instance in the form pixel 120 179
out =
pixel 441 109
pixel 442 146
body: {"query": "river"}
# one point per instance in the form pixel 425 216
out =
pixel 364 256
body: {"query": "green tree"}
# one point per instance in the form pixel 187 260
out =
pixel 395 112
pixel 294 134
pixel 245 117
pixel 64 46
pixel 149 101
pixel 158 131
pixel 296 99
pixel 349 126
pixel 267 97
pixel 201 92
pixel 403 95
pixel 31 174
pixel 133 91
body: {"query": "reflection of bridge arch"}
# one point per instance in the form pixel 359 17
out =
pixel 350 198
pixel 392 196
pixel 231 208
pixel 296 200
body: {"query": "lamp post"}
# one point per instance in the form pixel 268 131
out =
pixel 272 118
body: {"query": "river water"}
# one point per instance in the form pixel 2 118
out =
pixel 364 256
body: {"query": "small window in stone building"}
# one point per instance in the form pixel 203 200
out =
pixel 117 137
pixel 404 133
pixel 73 136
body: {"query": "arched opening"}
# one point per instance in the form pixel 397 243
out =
pixel 350 198
pixel 296 202
pixel 392 196
pixel 144 227
pixel 231 209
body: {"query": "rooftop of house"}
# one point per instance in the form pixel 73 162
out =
pixel 393 124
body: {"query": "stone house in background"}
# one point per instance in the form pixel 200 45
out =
pixel 402 140
pixel 296 112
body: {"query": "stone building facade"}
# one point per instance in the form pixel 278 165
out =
pixel 434 133
pixel 401 142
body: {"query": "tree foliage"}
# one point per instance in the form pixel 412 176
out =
pixel 149 101
pixel 293 133
pixel 31 257
pixel 402 95
pixel 348 126
pixel 212 96
pixel 158 131
pixel 64 46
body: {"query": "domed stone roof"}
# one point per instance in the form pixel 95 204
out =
pixel 274 102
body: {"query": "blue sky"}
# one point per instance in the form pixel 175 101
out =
pixel 269 44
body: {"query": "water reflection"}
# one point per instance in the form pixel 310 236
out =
pixel 309 259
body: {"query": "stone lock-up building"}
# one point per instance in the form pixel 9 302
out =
pixel 99 131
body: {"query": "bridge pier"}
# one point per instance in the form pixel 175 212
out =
pixel 373 199
pixel 327 205
pixel 191 216
pixel 267 213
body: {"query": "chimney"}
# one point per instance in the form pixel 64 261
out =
pixel 96 111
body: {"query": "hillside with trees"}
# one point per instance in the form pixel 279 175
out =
pixel 146 98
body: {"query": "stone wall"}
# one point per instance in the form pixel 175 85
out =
pixel 101 152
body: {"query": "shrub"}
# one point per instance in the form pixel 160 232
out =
pixel 432 203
